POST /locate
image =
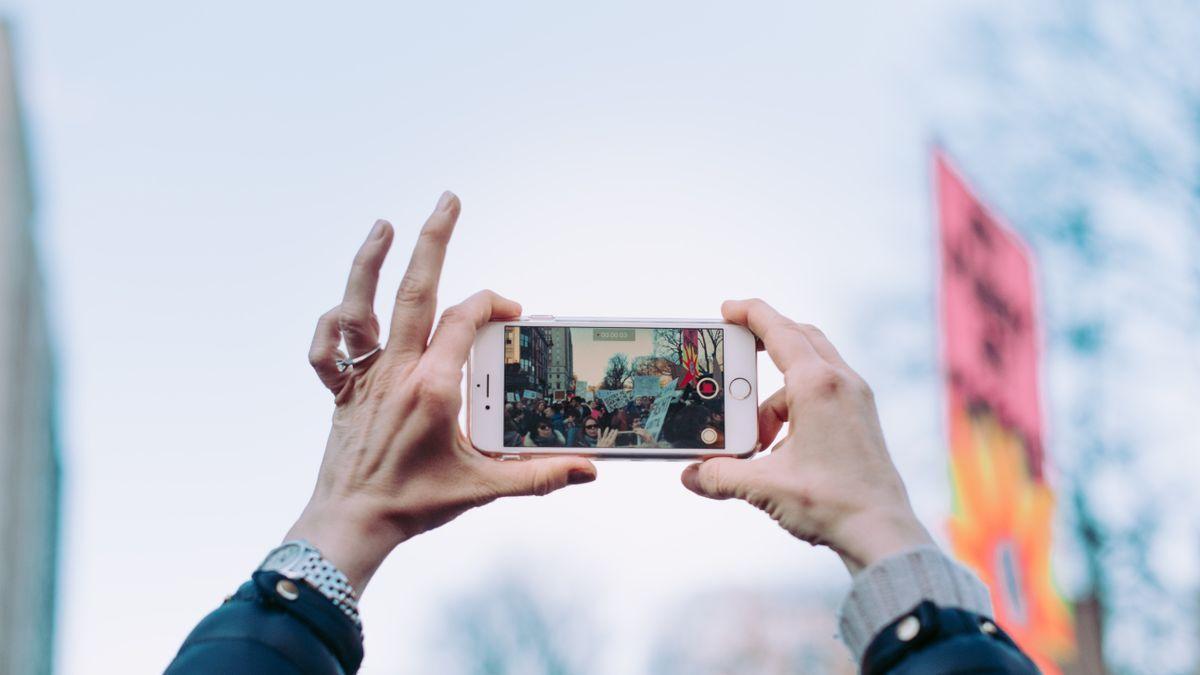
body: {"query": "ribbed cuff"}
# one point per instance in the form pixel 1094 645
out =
pixel 887 589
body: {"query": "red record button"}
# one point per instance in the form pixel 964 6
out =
pixel 707 388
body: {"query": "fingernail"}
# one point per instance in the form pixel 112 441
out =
pixel 377 231
pixel 446 201
pixel 578 476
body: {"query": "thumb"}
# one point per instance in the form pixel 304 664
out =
pixel 720 478
pixel 542 476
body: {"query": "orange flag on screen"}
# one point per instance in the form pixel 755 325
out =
pixel 690 358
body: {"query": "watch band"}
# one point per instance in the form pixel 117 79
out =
pixel 301 561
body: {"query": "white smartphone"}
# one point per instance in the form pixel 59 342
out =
pixel 613 388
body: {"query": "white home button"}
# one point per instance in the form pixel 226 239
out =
pixel 739 388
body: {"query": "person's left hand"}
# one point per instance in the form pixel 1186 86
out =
pixel 397 463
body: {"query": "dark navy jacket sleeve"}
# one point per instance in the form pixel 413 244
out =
pixel 260 630
pixel 932 640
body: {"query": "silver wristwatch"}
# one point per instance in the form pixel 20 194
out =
pixel 301 561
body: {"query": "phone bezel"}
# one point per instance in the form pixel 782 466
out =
pixel 485 391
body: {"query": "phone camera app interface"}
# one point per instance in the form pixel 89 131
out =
pixel 614 387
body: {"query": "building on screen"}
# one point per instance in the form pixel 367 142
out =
pixel 29 459
pixel 561 367
pixel 527 360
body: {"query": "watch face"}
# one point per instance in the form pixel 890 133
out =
pixel 282 557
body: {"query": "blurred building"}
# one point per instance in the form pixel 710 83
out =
pixel 1089 638
pixel 561 366
pixel 29 460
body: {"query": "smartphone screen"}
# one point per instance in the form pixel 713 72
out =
pixel 592 387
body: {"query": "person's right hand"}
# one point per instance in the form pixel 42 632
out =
pixel 831 480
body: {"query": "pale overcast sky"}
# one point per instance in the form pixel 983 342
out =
pixel 207 170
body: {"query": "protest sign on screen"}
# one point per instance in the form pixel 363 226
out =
pixel 646 385
pixel 658 410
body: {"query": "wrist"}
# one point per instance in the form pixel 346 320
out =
pixel 874 534
pixel 347 537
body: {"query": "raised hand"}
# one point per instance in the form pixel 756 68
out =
pixel 397 463
pixel 608 438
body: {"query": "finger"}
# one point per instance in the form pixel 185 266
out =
pixel 540 476
pixel 357 320
pixel 416 299
pixel 786 343
pixel 323 353
pixel 720 478
pixel 822 345
pixel 772 415
pixel 455 334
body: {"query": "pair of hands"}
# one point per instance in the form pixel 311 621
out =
pixel 398 464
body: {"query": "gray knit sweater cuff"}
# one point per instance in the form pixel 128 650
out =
pixel 888 589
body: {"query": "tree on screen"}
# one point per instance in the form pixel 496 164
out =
pixel 668 344
pixel 617 373
pixel 711 342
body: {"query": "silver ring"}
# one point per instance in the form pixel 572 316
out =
pixel 346 364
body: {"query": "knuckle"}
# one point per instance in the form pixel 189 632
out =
pixel 541 482
pixel 806 497
pixel 785 328
pixel 433 392
pixel 822 381
pixel 352 322
pixel 809 328
pixel 435 232
pixel 831 381
pixel 361 263
pixel 453 314
pixel 449 319
pixel 316 358
pixel 487 298
pixel 712 478
pixel 413 291
pixel 863 389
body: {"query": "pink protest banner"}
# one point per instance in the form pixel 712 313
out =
pixel 988 309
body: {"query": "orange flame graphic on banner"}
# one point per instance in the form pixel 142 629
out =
pixel 1001 529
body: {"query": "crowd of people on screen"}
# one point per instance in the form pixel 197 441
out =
pixel 576 422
